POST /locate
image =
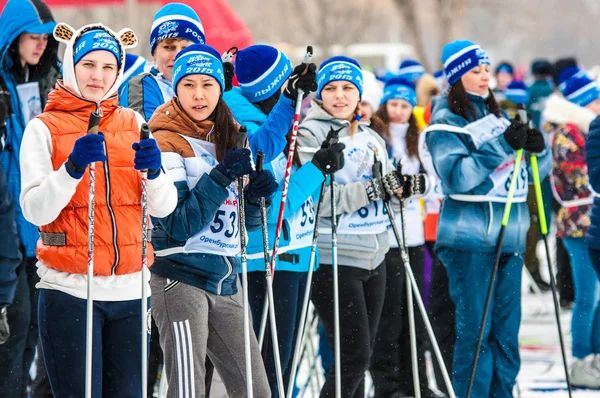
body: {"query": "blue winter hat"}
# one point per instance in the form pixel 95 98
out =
pixel 261 70
pixel 580 89
pixel 176 21
pixel 96 40
pixel 568 73
pixel 399 88
pixel 517 92
pixel 198 59
pixel 460 56
pixel 411 70
pixel 505 67
pixel 339 68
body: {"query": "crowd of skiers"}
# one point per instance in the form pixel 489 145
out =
pixel 384 178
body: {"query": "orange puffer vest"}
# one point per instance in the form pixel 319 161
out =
pixel 118 214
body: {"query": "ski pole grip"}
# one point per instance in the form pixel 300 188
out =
pixel 522 114
pixel 144 132
pixel 376 167
pixel 308 56
pixel 93 123
pixel 260 161
pixel 241 137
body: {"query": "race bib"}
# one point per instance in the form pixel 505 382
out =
pixel 484 130
pixel 222 235
pixel 359 156
pixel 30 99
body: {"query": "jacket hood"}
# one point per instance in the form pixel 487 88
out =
pixel 67 35
pixel 558 110
pixel 169 117
pixel 31 16
pixel 242 109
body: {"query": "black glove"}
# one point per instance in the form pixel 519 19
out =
pixel 330 160
pixel 393 182
pixel 229 74
pixel 235 163
pixel 516 134
pixel 299 80
pixel 376 190
pixel 414 185
pixel 4 328
pixel 261 185
pixel 535 141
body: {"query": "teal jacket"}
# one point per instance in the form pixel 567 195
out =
pixel 304 182
pixel 465 170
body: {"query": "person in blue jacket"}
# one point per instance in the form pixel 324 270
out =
pixel 251 104
pixel 175 27
pixel 196 301
pixel 29 69
pixel 473 147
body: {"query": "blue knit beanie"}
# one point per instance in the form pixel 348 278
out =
pixel 580 89
pixel 399 88
pixel 176 21
pixel 459 57
pixel 96 40
pixel 504 67
pixel 198 59
pixel 261 70
pixel 411 69
pixel 517 92
pixel 339 68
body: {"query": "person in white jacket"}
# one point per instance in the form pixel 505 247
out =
pixel 55 153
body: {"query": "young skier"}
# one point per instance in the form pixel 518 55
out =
pixel 196 300
pixel 362 222
pixel 55 154
pixel 29 69
pixel 259 67
pixel 568 120
pixel 473 150
pixel 391 362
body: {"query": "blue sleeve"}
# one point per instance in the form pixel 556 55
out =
pixel 270 137
pixel 463 168
pixel 195 209
pixel 10 255
pixel 303 183
pixel 253 221
pixel 142 94
pixel 592 148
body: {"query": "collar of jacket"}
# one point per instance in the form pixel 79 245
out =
pixel 170 117
pixel 560 111
pixel 63 98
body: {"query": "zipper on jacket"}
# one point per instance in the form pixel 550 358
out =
pixel 229 271
pixel 108 204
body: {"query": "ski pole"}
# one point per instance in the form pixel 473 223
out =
pixel 332 138
pixel 336 290
pixel 415 289
pixel 507 206
pixel 260 158
pixel 93 124
pixel 377 174
pixel 144 134
pixel 241 143
pixel 286 181
pixel 544 230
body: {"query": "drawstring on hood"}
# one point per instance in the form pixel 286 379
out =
pixel 64 33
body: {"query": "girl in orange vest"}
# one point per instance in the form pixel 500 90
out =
pixel 54 157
